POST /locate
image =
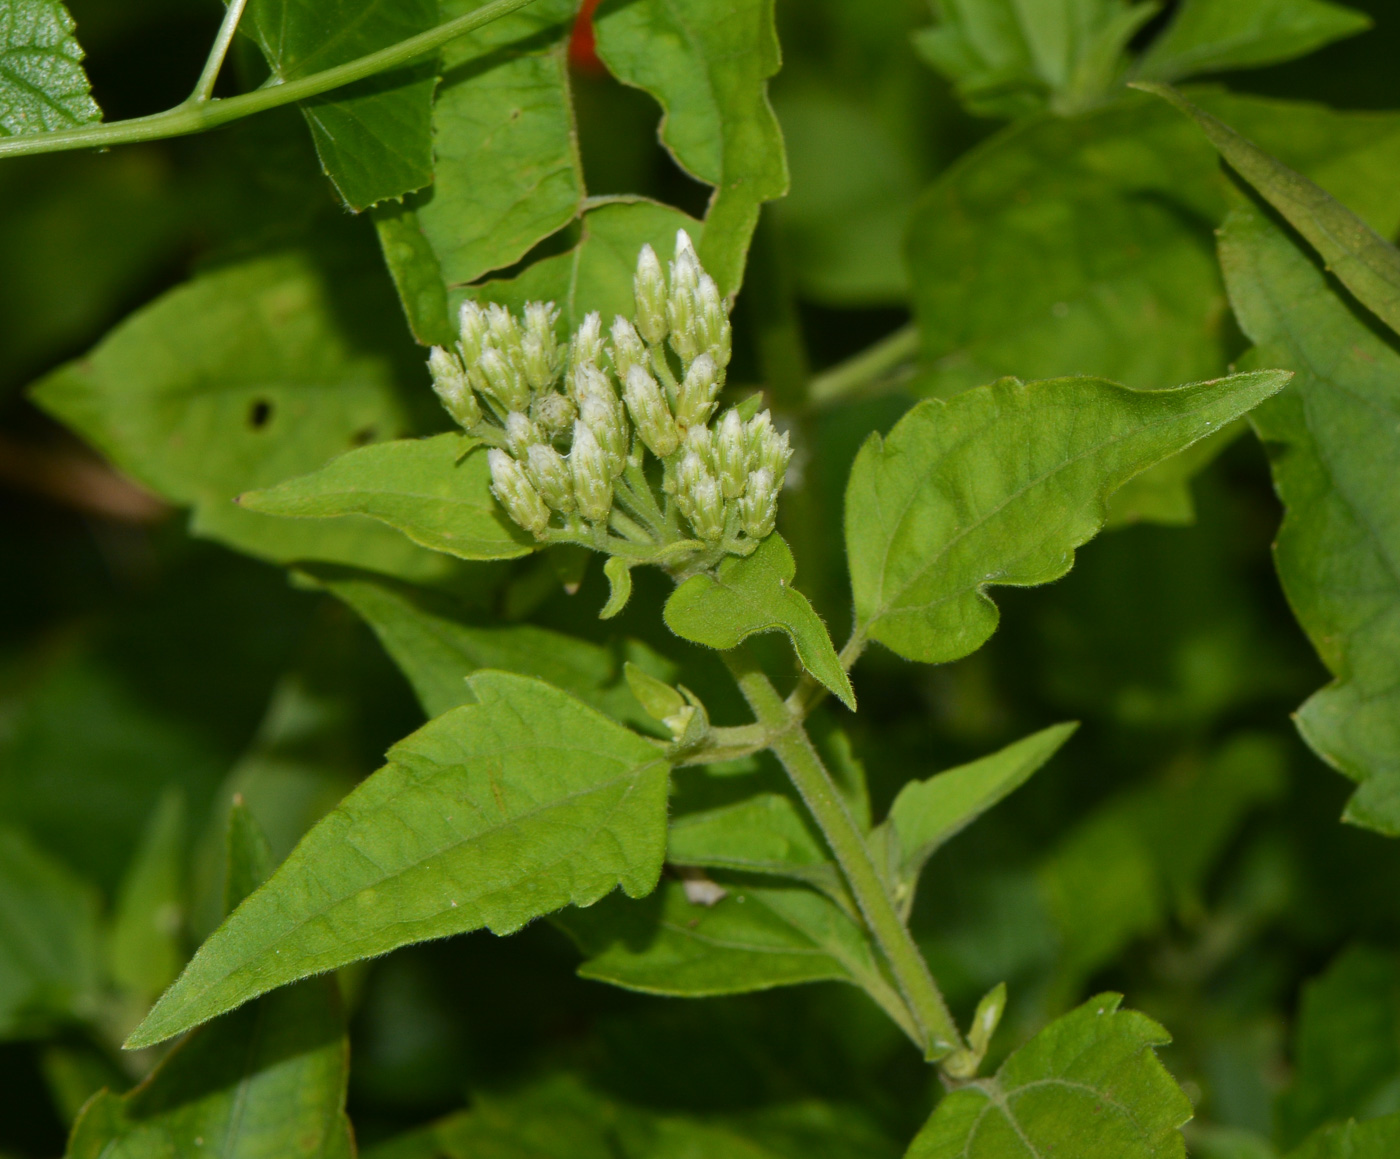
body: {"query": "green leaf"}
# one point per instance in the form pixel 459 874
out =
pixel 1362 260
pixel 43 88
pixel 1162 494
pixel 1376 1139
pixel 1000 485
pixel 374 137
pixel 751 939
pixel 437 491
pixel 709 70
pixel 438 645
pixel 491 815
pixel 1088 1085
pixel 49 946
pixel 417 276
pixel 241 378
pixel 144 946
pixel 750 595
pixel 507 166
pixel 1216 35
pixel 265 1082
pixel 928 813
pixel 1346 1046
pixel 764 834
pixel 1338 551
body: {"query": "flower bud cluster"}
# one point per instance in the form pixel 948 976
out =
pixel 565 423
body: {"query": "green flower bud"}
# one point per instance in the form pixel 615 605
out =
pixel 713 332
pixel 695 400
pixel 650 413
pixel 586 349
pixel 758 509
pixel 699 441
pixel 592 480
pixel 649 288
pixel 550 475
pixel 521 434
pixel 554 413
pixel 732 454
pixel 540 354
pixel 687 478
pixel 767 448
pixel 450 383
pixel 473 330
pixel 503 330
pixel 609 427
pixel 626 349
pixel 516 495
pixel 504 382
pixel 707 504
pixel 681 303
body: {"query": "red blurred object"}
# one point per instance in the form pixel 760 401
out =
pixel 583 47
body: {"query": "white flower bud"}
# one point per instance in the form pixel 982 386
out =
pixel 517 496
pixel 688 475
pixel 649 287
pixel 650 413
pixel 586 349
pixel 450 383
pixel 609 427
pixel 685 267
pixel 767 448
pixel 732 454
pixel 592 480
pixel 540 354
pixel 758 509
pixel 712 322
pixel 554 413
pixel 471 325
pixel 550 475
pixel 707 508
pixel 503 330
pixel 504 382
pixel 626 349
pixel 521 434
pixel 699 441
pixel 695 399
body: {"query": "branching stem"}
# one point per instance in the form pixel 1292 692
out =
pixel 204 87
pixel 790 744
pixel 865 369
pixel 195 116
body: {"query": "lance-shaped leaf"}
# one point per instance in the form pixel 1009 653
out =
pixel 750 595
pixel 999 485
pixel 42 84
pixel 1373 1139
pixel 1367 264
pixel 927 813
pixel 708 66
pixel 1334 442
pixel 751 939
pixel 241 378
pixel 1215 35
pixel 374 138
pixel 437 491
pixel 438 645
pixel 491 815
pixel 144 946
pixel 764 834
pixel 1088 1085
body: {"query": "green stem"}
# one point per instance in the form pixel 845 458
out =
pixel 197 116
pixel 867 367
pixel 204 87
pixel 792 746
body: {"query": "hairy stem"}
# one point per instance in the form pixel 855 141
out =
pixel 792 746
pixel 197 116
pixel 866 368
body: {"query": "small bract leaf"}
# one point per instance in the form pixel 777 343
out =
pixel 437 491
pixel 491 815
pixel 43 88
pixel 619 573
pixel 751 595
pixel 999 485
pixel 1088 1085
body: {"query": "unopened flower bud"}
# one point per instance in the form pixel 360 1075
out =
pixel 609 426
pixel 503 329
pixel 550 475
pixel 539 345
pixel 712 322
pixel 650 413
pixel 758 509
pixel 554 413
pixel 767 448
pixel 699 441
pixel 450 383
pixel 510 485
pixel 707 508
pixel 687 478
pixel 649 287
pixel 504 381
pixel 587 346
pixel 695 399
pixel 732 454
pixel 473 331
pixel 592 480
pixel 521 434
pixel 626 350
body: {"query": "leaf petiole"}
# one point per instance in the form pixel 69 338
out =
pixel 204 87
